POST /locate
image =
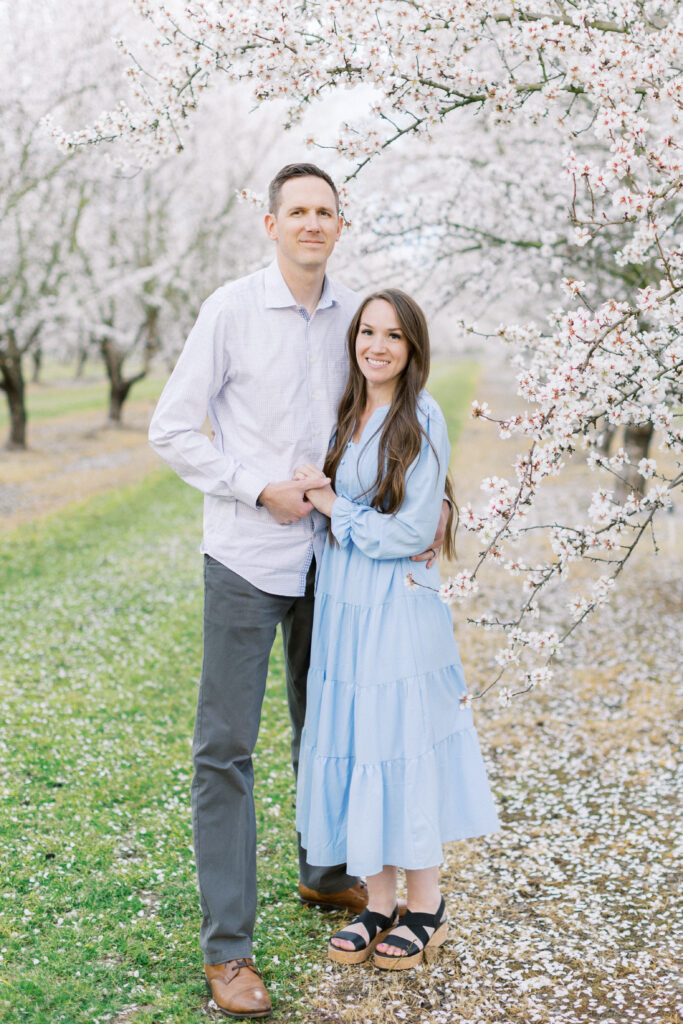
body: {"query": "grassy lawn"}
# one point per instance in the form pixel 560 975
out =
pixel 100 655
pixel 453 386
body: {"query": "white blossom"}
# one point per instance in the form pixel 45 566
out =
pixel 545 160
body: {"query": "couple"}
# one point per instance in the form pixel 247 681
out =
pixel 388 765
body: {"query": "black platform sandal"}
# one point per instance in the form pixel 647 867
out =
pixel 423 946
pixel 376 925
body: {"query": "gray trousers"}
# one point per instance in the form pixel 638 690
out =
pixel 239 629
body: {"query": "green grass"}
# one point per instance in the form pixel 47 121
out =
pixel 60 397
pixel 100 656
pixel 101 653
pixel 452 385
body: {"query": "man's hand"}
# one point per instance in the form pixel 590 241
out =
pixel 286 501
pixel 429 556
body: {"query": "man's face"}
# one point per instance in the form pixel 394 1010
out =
pixel 306 225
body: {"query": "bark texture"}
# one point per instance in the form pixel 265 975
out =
pixel 13 384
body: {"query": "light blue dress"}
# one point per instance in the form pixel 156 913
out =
pixel 390 766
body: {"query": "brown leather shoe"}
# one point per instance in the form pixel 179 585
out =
pixel 354 899
pixel 237 988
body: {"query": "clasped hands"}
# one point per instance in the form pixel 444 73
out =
pixel 319 488
pixel 288 501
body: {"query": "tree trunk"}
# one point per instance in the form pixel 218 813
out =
pixel 119 386
pixel 37 357
pixel 80 362
pixel 17 415
pixel 607 433
pixel 637 444
pixel 12 383
pixel 117 396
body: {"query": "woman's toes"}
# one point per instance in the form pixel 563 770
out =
pixel 389 950
pixel 341 943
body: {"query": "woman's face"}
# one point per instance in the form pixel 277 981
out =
pixel 381 348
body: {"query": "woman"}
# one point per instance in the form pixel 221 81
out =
pixel 390 766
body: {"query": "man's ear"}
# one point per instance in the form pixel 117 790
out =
pixel 340 225
pixel 271 226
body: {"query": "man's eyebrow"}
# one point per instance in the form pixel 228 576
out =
pixel 302 206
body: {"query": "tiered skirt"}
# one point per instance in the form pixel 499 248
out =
pixel 390 765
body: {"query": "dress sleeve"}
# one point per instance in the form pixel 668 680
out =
pixel 410 530
pixel 175 432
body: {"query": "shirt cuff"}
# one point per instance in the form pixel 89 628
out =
pixel 342 516
pixel 247 486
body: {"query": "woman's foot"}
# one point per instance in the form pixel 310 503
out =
pixel 418 935
pixel 355 943
pixel 404 932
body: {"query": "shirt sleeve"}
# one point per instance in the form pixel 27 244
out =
pixel 201 372
pixel 412 529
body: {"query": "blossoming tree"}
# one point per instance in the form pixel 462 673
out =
pixel 94 258
pixel 148 245
pixel 582 104
pixel 51 59
pixel 40 203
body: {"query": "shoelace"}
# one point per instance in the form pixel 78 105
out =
pixel 243 962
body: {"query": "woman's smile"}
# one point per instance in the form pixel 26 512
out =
pixel 381 348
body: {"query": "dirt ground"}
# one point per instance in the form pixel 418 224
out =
pixel 71 458
pixel 568 914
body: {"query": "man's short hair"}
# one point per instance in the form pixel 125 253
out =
pixel 297 171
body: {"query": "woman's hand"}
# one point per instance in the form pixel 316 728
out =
pixel 429 556
pixel 321 497
pixel 308 470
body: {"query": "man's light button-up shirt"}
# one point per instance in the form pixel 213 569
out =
pixel 251 363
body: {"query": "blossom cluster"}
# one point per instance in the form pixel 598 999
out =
pixel 584 102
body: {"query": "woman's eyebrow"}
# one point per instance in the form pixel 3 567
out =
pixel 391 330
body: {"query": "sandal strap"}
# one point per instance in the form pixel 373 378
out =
pixel 357 941
pixel 374 924
pixel 409 946
pixel 418 923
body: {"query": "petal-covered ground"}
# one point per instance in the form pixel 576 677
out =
pixel 571 914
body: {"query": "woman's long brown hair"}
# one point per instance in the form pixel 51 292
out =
pixel 401 438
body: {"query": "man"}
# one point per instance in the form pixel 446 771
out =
pixel 267 360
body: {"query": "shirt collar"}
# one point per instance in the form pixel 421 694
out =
pixel 278 295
